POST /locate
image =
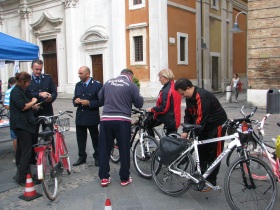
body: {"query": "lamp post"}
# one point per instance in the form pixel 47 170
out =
pixel 200 72
pixel 236 28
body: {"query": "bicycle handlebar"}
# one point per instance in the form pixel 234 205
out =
pixel 50 119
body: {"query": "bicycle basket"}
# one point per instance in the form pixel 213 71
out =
pixel 64 124
pixel 244 136
pixel 170 149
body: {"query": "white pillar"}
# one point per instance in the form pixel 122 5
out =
pixel 72 40
pixel 158 37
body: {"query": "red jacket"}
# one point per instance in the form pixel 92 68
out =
pixel 168 106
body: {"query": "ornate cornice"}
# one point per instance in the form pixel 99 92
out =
pixel 70 3
pixel 24 12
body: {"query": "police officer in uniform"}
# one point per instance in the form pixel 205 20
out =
pixel 43 88
pixel 87 115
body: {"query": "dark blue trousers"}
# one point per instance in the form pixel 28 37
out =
pixel 121 131
pixel 81 133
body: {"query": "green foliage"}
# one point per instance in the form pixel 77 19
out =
pixel 136 82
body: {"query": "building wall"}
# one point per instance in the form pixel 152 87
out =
pixel 263 49
pixel 84 28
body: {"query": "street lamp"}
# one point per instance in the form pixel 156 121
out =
pixel 236 28
pixel 200 72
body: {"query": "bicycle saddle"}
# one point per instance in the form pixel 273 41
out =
pixel 45 134
pixel 191 127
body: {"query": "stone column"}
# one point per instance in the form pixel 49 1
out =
pixel 72 41
pixel 158 36
pixel 25 13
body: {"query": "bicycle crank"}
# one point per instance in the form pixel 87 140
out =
pixel 200 185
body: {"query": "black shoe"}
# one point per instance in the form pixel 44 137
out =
pixel 96 163
pixel 80 162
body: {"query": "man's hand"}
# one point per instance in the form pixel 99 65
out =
pixel 77 101
pixel 44 94
pixel 184 135
pixel 85 102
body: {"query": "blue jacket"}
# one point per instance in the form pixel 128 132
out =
pixel 118 95
pixel 46 85
pixel 87 115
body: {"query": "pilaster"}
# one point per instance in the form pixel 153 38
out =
pixel 72 39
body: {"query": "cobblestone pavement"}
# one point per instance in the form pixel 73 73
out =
pixel 82 190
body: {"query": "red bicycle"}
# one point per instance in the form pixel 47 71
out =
pixel 52 161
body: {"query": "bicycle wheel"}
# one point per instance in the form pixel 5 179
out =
pixel 251 146
pixel 244 192
pixel 115 155
pixel 65 156
pixel 169 183
pixel 142 155
pixel 49 182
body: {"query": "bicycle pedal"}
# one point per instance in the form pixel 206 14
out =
pixel 217 188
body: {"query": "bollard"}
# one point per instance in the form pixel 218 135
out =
pixel 228 93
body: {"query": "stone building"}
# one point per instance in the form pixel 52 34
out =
pixel 144 35
pixel 263 49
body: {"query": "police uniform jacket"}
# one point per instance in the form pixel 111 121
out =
pixel 88 115
pixel 45 85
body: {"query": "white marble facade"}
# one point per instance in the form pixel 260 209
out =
pixel 81 28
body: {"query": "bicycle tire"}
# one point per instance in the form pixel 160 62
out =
pixel 262 156
pixel 143 164
pixel 49 182
pixel 244 192
pixel 251 146
pixel 115 155
pixel 169 183
pixel 65 156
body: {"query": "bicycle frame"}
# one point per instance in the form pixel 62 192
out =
pixel 275 164
pixel 234 143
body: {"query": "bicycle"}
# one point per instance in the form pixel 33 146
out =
pixel 248 123
pixel 4 113
pixel 241 190
pixel 144 146
pixel 266 152
pixel 52 161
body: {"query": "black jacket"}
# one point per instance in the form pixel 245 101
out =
pixel 19 119
pixel 204 109
pixel 46 85
pixel 88 115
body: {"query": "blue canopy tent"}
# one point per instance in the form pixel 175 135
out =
pixel 12 49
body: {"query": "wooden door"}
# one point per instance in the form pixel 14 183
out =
pixel 50 59
pixel 97 67
pixel 215 73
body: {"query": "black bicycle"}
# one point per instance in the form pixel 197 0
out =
pixel 142 145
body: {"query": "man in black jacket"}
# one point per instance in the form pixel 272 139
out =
pixel 87 115
pixel 43 88
pixel 203 108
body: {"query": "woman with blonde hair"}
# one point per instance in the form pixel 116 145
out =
pixel 168 105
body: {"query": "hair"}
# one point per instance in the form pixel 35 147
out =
pixel 128 72
pixel 12 80
pixel 38 61
pixel 183 84
pixel 22 78
pixel 167 73
pixel 236 75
